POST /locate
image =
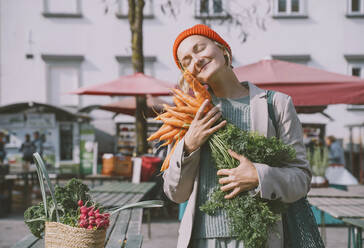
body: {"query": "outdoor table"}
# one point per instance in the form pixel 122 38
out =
pixel 102 178
pixel 355 231
pixel 125 226
pixel 343 205
pixel 28 177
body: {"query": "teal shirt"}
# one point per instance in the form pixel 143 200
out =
pixel 237 112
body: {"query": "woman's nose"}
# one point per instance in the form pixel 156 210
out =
pixel 197 62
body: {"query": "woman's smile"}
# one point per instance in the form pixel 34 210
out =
pixel 203 68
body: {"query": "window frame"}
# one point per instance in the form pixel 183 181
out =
pixel 288 14
pixel 150 60
pixel 46 13
pixel 52 61
pixel 122 15
pixel 74 138
pixel 355 14
pixel 209 15
pixel 355 60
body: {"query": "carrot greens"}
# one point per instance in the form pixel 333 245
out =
pixel 251 217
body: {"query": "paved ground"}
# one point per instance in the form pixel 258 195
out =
pixel 164 232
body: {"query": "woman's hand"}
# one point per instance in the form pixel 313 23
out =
pixel 201 127
pixel 239 179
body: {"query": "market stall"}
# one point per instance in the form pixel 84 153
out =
pixel 59 131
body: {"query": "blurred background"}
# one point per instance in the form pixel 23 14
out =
pixel 49 48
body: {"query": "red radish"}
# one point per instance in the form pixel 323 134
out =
pixel 91 218
pixel 83 209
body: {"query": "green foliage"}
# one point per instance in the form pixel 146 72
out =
pixel 251 218
pixel 37 215
pixel 318 160
pixel 67 198
pixel 73 191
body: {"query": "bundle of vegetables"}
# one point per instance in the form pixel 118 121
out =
pixel 176 120
pixel 92 218
pixel 66 199
pixel 70 214
pixel 251 218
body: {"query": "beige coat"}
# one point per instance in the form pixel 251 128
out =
pixel 289 183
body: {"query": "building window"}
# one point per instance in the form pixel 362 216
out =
pixel 123 9
pixel 355 65
pixel 66 141
pixel 290 9
pixel 355 68
pixel 210 9
pixel 126 68
pixel 355 8
pixel 64 8
pixel 302 59
pixel 63 75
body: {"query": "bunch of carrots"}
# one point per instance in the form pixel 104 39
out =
pixel 177 119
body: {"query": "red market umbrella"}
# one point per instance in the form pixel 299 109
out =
pixel 137 84
pixel 128 106
pixel 306 85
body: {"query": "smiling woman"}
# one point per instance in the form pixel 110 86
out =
pixel 192 173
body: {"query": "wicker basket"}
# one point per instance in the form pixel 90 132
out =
pixel 58 235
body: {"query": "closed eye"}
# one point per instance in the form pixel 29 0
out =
pixel 186 61
pixel 196 49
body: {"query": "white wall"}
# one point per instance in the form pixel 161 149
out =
pixel 326 35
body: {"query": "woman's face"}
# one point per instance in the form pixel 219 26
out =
pixel 201 56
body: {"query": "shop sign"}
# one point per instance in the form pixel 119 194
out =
pixel 41 120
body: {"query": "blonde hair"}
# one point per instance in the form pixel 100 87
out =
pixel 185 86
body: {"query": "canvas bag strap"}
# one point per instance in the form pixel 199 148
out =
pixel 271 114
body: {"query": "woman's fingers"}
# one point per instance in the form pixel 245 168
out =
pixel 234 193
pixel 212 113
pixel 200 112
pixel 225 180
pixel 239 157
pixel 213 119
pixel 217 127
pixel 228 187
pixel 224 172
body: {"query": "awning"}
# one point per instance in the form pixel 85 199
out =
pixel 136 84
pixel 306 85
pixel 128 106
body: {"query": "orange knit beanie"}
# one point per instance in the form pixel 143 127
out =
pixel 198 29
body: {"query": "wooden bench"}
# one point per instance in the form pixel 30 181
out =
pixel 125 226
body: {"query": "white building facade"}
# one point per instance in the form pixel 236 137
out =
pixel 50 47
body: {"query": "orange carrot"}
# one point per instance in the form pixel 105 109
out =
pixel 165 114
pixel 186 110
pixel 165 128
pixel 167 143
pixel 189 100
pixel 180 134
pixel 165 164
pixel 199 90
pixel 179 115
pixel 170 134
pixel 178 102
pixel 174 122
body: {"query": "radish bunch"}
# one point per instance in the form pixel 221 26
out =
pixel 91 218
